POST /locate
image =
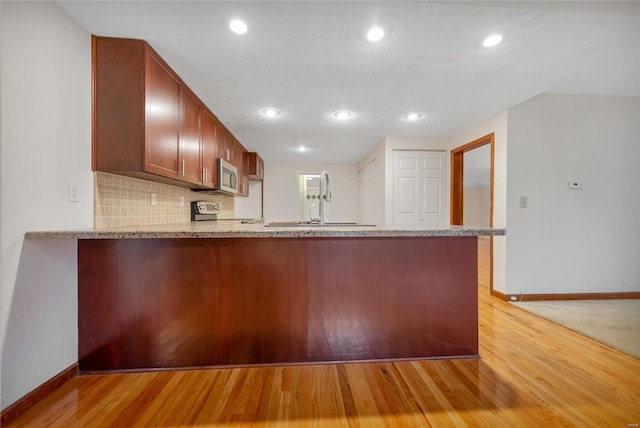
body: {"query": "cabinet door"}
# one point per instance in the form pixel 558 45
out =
pixel 210 147
pixel 162 105
pixel 260 168
pixel 238 149
pixel 243 170
pixel 191 162
pixel 227 146
pixel 256 166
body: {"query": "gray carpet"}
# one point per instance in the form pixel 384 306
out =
pixel 613 322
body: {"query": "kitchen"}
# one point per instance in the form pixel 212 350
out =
pixel 38 277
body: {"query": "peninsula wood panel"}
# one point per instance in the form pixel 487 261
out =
pixel 392 298
pixel 160 303
pixel 263 313
pixel 98 311
pixel 191 302
pixel 167 305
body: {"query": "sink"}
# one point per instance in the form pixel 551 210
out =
pixel 307 224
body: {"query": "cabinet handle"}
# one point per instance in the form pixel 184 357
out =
pixel 204 175
pixel 183 167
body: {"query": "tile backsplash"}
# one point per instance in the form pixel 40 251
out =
pixel 126 201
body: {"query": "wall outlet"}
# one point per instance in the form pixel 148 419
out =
pixel 74 194
pixel 523 202
pixel 153 199
pixel 513 298
pixel 182 201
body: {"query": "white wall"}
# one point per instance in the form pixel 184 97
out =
pixel 574 241
pixel 498 126
pixel 251 206
pixel 476 206
pixel 46 144
pixel 375 163
pixel 281 190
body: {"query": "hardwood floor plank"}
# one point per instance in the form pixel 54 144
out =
pixel 348 402
pixel 532 372
pixel 219 395
pixel 424 396
pixel 366 407
pixel 387 395
pixel 143 396
pixel 66 401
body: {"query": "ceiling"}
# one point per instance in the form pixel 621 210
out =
pixel 309 59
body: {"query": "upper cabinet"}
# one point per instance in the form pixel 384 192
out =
pixel 190 156
pixel 243 170
pixel 149 124
pixel 161 126
pixel 211 142
pixel 256 166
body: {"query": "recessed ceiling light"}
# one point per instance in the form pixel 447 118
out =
pixel 271 112
pixel 238 26
pixel 375 34
pixel 412 116
pixel 492 40
pixel 302 149
pixel 342 115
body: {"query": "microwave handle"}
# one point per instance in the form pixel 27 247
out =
pixel 234 180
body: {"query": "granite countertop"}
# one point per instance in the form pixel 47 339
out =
pixel 237 229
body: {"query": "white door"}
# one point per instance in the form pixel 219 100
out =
pixel 419 180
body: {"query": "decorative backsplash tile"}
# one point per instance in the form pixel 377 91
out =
pixel 126 201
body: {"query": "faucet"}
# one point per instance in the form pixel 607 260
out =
pixel 325 193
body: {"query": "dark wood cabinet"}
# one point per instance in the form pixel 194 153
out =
pixel 190 137
pixel 211 135
pixel 162 118
pixel 256 166
pixel 140 126
pixel 227 145
pixel 149 124
pixel 243 171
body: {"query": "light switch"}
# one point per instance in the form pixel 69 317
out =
pixel 523 202
pixel 74 194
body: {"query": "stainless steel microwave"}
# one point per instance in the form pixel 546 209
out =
pixel 227 177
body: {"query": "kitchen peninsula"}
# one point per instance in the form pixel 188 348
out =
pixel 230 294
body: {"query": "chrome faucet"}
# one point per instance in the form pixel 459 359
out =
pixel 325 193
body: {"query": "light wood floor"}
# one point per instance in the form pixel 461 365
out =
pixel 531 373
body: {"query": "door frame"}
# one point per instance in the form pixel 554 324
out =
pixel 457 191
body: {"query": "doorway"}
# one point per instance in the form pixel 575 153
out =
pixel 309 197
pixel 473 154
